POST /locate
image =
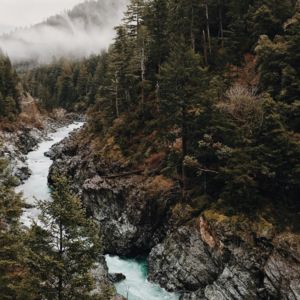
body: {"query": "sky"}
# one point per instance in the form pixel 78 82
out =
pixel 19 13
pixel 90 32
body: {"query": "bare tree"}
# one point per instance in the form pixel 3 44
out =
pixel 244 106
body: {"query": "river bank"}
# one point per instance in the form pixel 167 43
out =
pixel 206 254
pixel 36 187
pixel 17 143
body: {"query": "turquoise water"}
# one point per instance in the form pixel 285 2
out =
pixel 36 187
pixel 136 286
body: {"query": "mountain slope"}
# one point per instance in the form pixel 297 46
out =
pixel 86 29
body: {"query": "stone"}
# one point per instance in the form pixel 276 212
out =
pixel 116 277
pixel 212 256
pixel 182 261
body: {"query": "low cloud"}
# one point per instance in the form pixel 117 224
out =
pixel 85 30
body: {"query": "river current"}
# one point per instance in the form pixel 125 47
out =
pixel 136 286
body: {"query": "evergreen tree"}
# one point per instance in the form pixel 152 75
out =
pixel 181 79
pixel 65 86
pixel 65 249
pixel 9 92
pixel 156 17
pixel 13 271
pixel 82 82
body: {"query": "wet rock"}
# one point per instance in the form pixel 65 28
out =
pixel 28 139
pixel 182 261
pixel 16 160
pixel 197 295
pixel 282 270
pixel 129 220
pixel 233 283
pixel 21 172
pixel 211 257
pixel 101 277
pixel 116 277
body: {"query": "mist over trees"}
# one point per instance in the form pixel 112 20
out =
pixel 212 81
pixel 215 83
pixel 210 87
pixel 84 30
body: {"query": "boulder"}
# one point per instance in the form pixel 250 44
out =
pixel 182 261
pixel 116 277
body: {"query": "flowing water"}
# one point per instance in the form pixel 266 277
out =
pixel 36 187
pixel 136 286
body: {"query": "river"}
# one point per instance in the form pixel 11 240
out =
pixel 136 286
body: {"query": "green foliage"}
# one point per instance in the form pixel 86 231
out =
pixel 64 248
pixel 278 62
pixel 9 93
pixel 225 137
pixel 72 85
pixel 12 267
pixel 174 81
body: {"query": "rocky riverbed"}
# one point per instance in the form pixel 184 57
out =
pixel 206 256
pixel 15 145
pixel 36 186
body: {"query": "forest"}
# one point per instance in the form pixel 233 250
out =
pixel 210 89
pixel 213 85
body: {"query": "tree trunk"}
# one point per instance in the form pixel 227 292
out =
pixel 208 27
pixel 184 153
pixel 60 283
pixel 192 31
pixel 157 87
pixel 205 48
pixel 221 23
pixel 143 70
pixel 117 92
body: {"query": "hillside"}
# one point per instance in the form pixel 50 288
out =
pixel 88 28
pixel 189 156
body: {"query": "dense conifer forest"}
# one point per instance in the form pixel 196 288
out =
pixel 214 85
pixel 208 89
pixel 9 91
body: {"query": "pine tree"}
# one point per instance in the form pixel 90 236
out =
pixel 65 86
pixel 82 82
pixel 156 21
pixel 134 17
pixel 64 249
pixel 12 267
pixel 9 92
pixel 181 79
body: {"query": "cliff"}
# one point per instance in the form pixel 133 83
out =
pixel 205 255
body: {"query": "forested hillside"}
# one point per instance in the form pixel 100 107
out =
pixel 211 86
pixel 190 156
pixel 67 84
pixel 9 90
pixel 83 30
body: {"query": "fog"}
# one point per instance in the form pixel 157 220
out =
pixel 86 29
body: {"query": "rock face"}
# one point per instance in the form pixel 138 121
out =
pixel 15 147
pixel 214 260
pixel 17 144
pixel 210 256
pixel 104 283
pixel 282 268
pixel 116 277
pixel 132 221
pixel 182 261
